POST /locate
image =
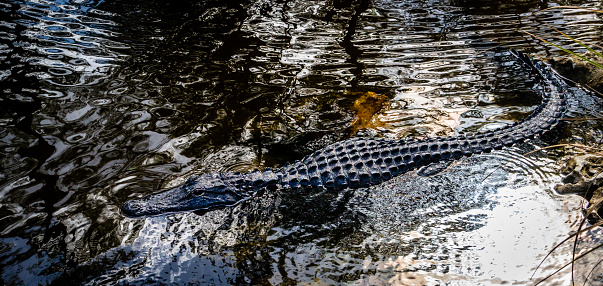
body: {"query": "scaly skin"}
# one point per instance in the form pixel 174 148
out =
pixel 355 162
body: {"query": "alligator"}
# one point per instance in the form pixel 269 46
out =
pixel 357 162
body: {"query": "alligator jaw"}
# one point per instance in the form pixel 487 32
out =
pixel 178 199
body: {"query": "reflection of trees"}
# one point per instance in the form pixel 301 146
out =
pixel 222 77
pixel 29 192
pixel 489 7
pixel 46 49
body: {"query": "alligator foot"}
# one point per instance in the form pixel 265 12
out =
pixel 434 168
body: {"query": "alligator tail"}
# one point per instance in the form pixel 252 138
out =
pixel 362 162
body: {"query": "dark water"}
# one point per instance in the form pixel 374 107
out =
pixel 107 101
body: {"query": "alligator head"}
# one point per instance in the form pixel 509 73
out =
pixel 199 193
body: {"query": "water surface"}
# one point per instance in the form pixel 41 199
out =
pixel 108 101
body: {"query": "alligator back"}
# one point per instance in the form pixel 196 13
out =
pixel 362 162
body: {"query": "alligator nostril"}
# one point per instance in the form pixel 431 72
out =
pixel 131 209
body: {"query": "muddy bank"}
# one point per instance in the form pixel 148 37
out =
pixel 583 72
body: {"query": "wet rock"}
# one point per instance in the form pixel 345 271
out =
pixel 594 212
pixel 584 176
pixel 582 173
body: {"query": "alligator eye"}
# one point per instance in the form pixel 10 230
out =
pixel 201 191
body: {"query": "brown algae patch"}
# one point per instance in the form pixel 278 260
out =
pixel 365 108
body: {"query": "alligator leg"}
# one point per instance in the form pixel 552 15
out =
pixel 434 168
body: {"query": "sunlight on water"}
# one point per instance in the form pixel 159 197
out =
pixel 478 232
pixel 505 248
pixel 102 102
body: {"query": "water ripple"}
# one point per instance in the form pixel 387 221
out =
pixel 107 101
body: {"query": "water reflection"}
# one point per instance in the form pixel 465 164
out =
pixel 106 101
